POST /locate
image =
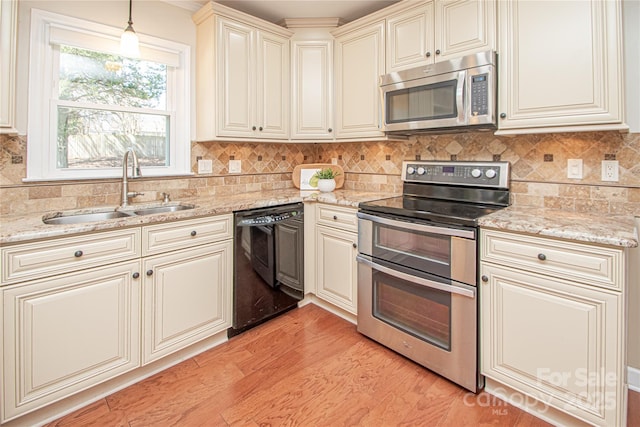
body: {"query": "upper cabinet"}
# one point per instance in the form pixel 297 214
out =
pixel 242 76
pixel 439 30
pixel 560 66
pixel 360 53
pixel 8 31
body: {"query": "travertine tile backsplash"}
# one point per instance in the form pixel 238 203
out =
pixel 368 165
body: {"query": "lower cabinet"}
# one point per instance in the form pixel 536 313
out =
pixel 549 336
pixel 186 297
pixel 65 334
pixel 336 267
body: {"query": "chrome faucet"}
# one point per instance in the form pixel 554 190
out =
pixel 135 173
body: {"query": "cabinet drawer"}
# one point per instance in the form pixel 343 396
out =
pixel 337 217
pixel 184 234
pixel 590 264
pixel 34 260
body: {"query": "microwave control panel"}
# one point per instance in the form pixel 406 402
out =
pixel 480 95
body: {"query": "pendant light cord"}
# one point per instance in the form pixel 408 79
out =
pixel 130 4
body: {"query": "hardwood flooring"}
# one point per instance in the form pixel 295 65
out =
pixel 305 368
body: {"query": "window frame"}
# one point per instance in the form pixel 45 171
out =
pixel 48 31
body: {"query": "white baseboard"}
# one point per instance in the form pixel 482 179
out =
pixel 633 378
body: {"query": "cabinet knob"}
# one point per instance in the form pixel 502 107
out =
pixel 542 257
pixel 136 275
pixel 503 116
pixel 428 54
pixel 78 254
pixel 330 130
pixel 484 278
pixel 438 52
pixel 260 128
pixel 335 217
pixel 253 128
pixel 355 246
pixel 193 233
pixel 149 272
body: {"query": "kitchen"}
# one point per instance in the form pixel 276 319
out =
pixel 371 164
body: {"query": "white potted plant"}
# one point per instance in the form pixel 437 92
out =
pixel 326 179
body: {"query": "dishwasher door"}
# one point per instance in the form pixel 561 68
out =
pixel 268 264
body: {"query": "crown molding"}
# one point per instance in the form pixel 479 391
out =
pixel 311 22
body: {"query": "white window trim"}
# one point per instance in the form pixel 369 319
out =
pixel 41 128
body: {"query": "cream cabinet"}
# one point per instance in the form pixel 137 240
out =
pixel 8 34
pixel 335 256
pixel 439 30
pixel 242 73
pixel 560 66
pixel 312 99
pixel 360 59
pixel 552 323
pixel 66 333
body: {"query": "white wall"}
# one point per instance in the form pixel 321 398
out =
pixel 152 17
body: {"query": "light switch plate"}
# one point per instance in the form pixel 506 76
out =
pixel 610 170
pixel 235 166
pixel 205 166
pixel 574 168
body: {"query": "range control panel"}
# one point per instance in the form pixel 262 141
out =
pixel 473 174
pixel 269 219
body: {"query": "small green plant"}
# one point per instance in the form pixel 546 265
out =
pixel 327 173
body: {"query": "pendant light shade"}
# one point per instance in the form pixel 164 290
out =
pixel 129 45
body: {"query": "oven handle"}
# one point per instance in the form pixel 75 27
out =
pixel 468 234
pixel 471 293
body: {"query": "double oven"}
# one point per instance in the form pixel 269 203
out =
pixel 418 264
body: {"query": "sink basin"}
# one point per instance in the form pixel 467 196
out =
pixel 85 217
pixel 162 209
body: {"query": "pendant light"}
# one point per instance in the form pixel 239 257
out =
pixel 129 40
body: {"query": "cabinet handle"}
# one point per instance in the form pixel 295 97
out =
pixel 330 130
pixel 253 128
pixel 260 128
pixel 193 233
pixel 78 254
pixel 136 275
pixel 503 115
pixel 335 217
pixel 542 257
pixel 149 272
pixel 484 278
pixel 428 54
pixel 438 52
pixel 355 246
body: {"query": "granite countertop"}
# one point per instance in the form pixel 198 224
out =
pixel 26 227
pixel 615 230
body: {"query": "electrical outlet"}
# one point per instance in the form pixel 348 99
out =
pixel 205 166
pixel 610 170
pixel 334 161
pixel 235 166
pixel 574 168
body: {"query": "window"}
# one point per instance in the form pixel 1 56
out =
pixel 88 104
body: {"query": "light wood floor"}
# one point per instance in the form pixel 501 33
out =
pixel 305 368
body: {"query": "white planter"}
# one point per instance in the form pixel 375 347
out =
pixel 326 185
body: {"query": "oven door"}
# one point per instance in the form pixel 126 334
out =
pixel 444 251
pixel 430 320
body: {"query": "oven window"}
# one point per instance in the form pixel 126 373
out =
pixel 415 309
pixel 428 102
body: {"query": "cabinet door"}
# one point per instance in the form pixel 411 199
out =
pixel 312 112
pixel 410 38
pixel 236 73
pixel 186 297
pixel 559 63
pixel 359 64
pixel 336 267
pixel 554 340
pixel 463 27
pixel 66 334
pixel 272 79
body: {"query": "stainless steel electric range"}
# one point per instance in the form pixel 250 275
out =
pixel 418 264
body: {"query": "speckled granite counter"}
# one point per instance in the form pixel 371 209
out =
pixel 19 228
pixel 593 228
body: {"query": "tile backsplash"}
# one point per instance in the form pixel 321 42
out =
pixel 539 170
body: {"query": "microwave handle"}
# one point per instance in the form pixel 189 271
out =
pixel 470 293
pixel 461 98
pixel 467 234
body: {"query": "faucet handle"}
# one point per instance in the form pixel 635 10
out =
pixel 165 197
pixel 134 194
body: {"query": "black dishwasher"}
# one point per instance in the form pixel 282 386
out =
pixel 268 267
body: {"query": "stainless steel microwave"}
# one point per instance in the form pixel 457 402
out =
pixel 449 95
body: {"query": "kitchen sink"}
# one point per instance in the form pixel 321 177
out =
pixel 84 217
pixel 162 209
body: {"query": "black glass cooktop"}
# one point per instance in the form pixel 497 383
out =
pixel 441 211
